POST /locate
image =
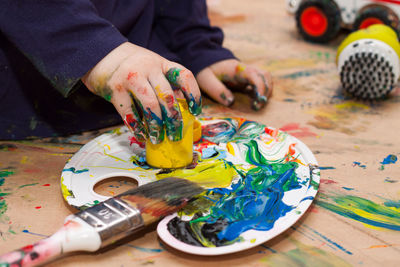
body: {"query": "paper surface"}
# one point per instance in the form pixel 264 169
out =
pixel 350 140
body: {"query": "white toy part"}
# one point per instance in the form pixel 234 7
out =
pixel 372 46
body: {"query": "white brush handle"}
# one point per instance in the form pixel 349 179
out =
pixel 75 235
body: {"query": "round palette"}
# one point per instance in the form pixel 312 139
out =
pixel 259 182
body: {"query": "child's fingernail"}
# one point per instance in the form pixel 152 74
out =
pixel 259 102
pixel 228 99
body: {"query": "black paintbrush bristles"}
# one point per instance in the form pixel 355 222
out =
pixel 161 198
pixel 367 76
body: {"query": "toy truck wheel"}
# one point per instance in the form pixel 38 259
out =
pixel 318 21
pixel 375 15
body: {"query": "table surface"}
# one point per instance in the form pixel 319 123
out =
pixel 354 220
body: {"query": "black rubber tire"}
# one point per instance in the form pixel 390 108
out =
pixel 379 13
pixel 332 13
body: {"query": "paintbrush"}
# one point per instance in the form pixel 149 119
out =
pixel 108 221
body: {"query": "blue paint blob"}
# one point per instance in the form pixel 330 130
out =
pixel 327 168
pixel 347 188
pixel 392 204
pixel 148 250
pixel 390 159
pixel 356 163
pixel 329 240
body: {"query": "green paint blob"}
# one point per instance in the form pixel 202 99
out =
pixel 172 76
pixel 6 173
pixel 25 185
pixel 3 205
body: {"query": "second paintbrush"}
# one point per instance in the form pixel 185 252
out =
pixel 108 221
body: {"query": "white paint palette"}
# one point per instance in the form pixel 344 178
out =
pixel 245 146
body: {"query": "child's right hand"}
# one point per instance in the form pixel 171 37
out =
pixel 154 84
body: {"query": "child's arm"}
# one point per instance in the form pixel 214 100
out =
pixel 185 28
pixel 64 39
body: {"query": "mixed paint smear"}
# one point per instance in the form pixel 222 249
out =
pixel 254 201
pixel 304 255
pixel 369 213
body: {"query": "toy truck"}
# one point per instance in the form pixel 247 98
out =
pixel 320 20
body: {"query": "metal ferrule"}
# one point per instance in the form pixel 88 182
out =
pixel 113 219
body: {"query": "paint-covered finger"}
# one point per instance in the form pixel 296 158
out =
pixel 213 87
pixel 147 101
pixel 123 103
pixel 259 87
pixel 182 79
pixel 169 107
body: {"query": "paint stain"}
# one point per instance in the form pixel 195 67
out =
pixel 8 147
pixel 297 131
pixel 147 250
pixel 389 180
pixel 32 170
pixel 392 204
pixel 38 207
pixel 328 240
pixel 339 117
pixel 25 185
pixel 304 255
pixel 362 210
pixel 5 222
pixel 46 185
pixel 348 188
pixel 356 163
pixel 301 74
pixel 73 170
pixel 389 159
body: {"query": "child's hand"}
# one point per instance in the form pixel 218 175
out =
pixel 130 71
pixel 219 79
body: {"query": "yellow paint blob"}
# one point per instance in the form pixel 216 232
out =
pixel 66 193
pixel 173 154
pixel 196 131
pixel 209 173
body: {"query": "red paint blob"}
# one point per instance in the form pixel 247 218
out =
pixel 27 248
pixel 131 75
pixel 38 207
pixel 32 170
pixel 327 181
pixel 46 185
pixel 133 140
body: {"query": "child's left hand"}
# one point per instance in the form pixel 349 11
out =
pixel 222 78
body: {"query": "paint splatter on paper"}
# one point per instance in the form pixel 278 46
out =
pixel 362 210
pixel 389 159
pixel 304 255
